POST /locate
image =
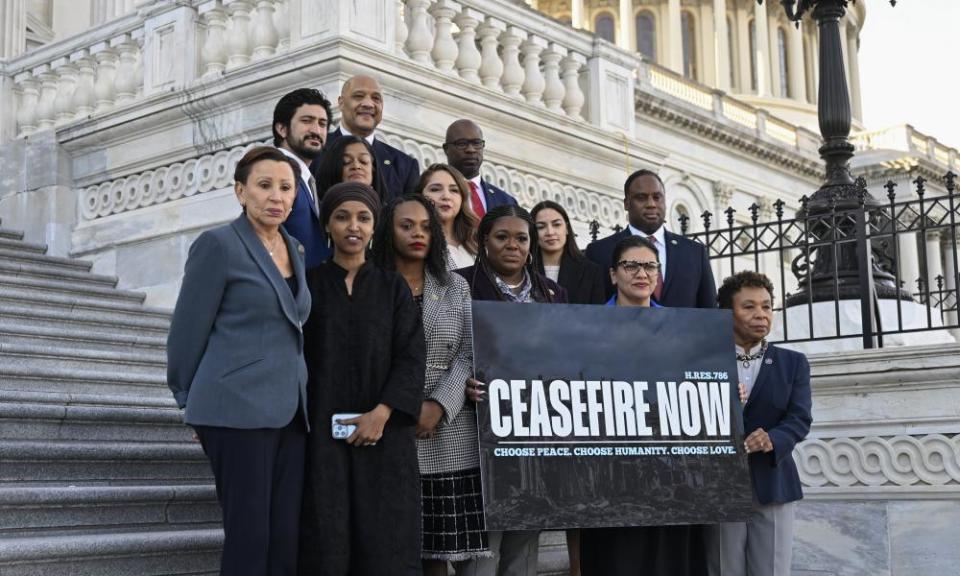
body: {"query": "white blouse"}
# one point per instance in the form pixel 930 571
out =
pixel 462 257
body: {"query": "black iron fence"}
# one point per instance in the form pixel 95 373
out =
pixel 858 267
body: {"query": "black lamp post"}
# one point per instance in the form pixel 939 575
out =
pixel 839 191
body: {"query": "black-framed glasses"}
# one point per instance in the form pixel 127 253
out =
pixel 463 144
pixel 632 267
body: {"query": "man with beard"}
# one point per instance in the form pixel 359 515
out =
pixel 686 277
pixel 300 123
pixel 361 110
pixel 464 149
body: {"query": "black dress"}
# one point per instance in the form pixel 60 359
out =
pixel 361 505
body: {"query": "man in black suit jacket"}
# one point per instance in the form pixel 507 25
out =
pixel 464 146
pixel 687 280
pixel 361 110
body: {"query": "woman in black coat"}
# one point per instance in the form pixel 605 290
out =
pixel 366 360
pixel 559 258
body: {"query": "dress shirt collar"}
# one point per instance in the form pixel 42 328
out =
pixel 345 132
pixel 752 351
pixel 304 169
pixel 658 235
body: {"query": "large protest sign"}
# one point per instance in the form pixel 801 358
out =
pixel 608 416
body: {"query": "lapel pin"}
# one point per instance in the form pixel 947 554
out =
pixel 768 361
pixel 434 297
pixel 386 162
pixel 300 248
pixel 674 242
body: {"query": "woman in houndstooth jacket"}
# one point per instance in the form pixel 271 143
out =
pixel 410 239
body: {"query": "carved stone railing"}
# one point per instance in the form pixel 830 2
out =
pixel 659 81
pixel 213 172
pixel 908 139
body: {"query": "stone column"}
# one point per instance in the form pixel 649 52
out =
pixel 934 259
pixel 13 28
pixel 721 45
pixel 576 13
pixel 743 47
pixel 798 80
pixel 853 43
pixel 909 261
pixel 674 35
pixel 626 18
pixel 762 49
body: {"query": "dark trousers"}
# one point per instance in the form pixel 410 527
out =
pixel 259 475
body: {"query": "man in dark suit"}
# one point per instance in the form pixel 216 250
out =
pixel 686 277
pixel 361 110
pixel 300 123
pixel 464 149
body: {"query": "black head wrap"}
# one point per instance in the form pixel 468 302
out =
pixel 345 192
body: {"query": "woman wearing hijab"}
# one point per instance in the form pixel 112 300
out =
pixel 365 355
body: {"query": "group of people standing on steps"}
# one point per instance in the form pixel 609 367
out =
pixel 321 348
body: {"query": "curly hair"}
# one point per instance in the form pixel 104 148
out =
pixel 330 168
pixel 540 287
pixel 465 223
pixel 743 279
pixel 384 250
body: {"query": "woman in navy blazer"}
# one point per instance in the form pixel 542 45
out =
pixel 561 260
pixel 775 386
pixel 235 362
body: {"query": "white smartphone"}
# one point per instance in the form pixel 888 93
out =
pixel 342 431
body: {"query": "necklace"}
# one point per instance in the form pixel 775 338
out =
pixel 746 359
pixel 270 246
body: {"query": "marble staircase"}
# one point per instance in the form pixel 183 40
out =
pixel 98 475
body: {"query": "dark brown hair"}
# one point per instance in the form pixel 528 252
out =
pixel 570 246
pixel 259 154
pixel 466 222
pixel 632 242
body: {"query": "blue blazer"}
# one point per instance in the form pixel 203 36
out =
pixel 303 223
pixel 688 280
pixel 400 171
pixel 495 196
pixel 779 403
pixel 235 347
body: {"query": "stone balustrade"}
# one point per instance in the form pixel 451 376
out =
pixel 906 138
pixel 657 80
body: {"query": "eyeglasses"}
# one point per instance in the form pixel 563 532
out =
pixel 632 267
pixel 464 144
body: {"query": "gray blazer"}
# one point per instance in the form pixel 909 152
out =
pixel 235 348
pixel 448 328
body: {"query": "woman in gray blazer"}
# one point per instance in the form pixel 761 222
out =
pixel 235 363
pixel 410 239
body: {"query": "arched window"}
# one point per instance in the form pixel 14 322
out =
pixel 731 53
pixel 646 35
pixel 752 26
pixel 603 26
pixel 784 66
pixel 688 28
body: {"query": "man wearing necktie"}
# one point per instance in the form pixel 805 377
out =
pixel 686 279
pixel 300 123
pixel 464 146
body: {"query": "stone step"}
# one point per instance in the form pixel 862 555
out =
pixel 39 357
pixel 23 419
pixel 11 234
pixel 35 270
pixel 69 286
pixel 57 462
pixel 95 320
pixel 88 509
pixel 155 553
pixel 54 262
pixel 19 244
pixel 47 378
pixel 100 304
pixel 18 332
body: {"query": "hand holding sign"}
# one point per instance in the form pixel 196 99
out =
pixel 476 390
